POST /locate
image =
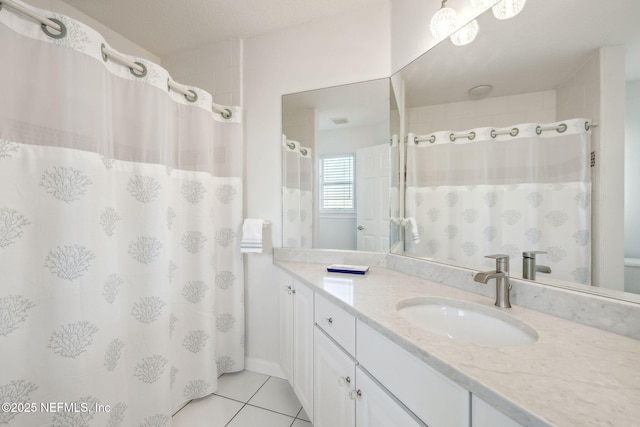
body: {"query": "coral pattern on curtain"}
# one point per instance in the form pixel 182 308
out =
pixel 121 293
pixel 503 194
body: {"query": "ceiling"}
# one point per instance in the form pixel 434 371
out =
pixel 165 27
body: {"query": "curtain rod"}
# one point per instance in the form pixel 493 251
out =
pixel 513 132
pixel 137 68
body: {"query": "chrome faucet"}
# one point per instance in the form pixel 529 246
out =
pixel 501 274
pixel 529 267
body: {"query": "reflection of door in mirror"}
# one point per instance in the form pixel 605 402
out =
pixel 357 228
pixel 372 195
pixel 347 129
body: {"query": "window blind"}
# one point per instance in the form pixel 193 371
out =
pixel 337 183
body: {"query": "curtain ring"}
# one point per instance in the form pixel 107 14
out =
pixel 539 130
pixel 493 133
pixel 514 132
pixel 63 29
pixel 105 58
pixel 431 139
pixel 561 128
pixel 193 97
pixel 472 136
pixel 291 145
pixel 226 114
pixel 141 73
pixel 452 137
pixel 303 151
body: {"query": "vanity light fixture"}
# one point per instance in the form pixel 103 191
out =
pixel 508 8
pixel 482 4
pixel 444 22
pixel 466 34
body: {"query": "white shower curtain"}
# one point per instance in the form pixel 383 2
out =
pixel 489 192
pixel 121 292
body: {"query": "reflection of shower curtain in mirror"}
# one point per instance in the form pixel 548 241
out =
pixel 120 211
pixel 505 193
pixel 306 198
pixel 297 195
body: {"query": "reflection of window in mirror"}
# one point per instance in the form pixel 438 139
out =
pixel 337 184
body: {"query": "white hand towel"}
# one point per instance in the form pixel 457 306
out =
pixel 252 236
pixel 415 234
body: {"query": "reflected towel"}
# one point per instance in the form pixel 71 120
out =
pixel 415 234
pixel 252 235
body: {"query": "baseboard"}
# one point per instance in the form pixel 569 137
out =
pixel 263 366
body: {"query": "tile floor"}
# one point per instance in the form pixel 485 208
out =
pixel 245 399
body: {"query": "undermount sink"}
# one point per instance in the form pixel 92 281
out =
pixel 467 321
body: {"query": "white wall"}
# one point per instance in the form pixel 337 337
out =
pixel 301 126
pixel 345 49
pixel 502 111
pixel 214 67
pixel 608 195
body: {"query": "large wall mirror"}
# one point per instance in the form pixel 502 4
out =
pixel 574 63
pixel 553 63
pixel 337 163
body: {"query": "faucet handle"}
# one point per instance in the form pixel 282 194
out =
pixel 498 256
pixel 502 262
pixel 532 254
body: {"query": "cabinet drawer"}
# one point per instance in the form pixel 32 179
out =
pixel 337 323
pixel 435 399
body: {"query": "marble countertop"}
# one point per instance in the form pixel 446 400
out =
pixel 573 375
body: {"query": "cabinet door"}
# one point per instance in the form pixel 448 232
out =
pixel 334 376
pixel 436 400
pixel 376 408
pixel 485 415
pixel 303 346
pixel 286 325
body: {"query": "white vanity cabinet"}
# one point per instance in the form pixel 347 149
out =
pixel 485 415
pixel 376 408
pixel 334 377
pixel 337 323
pixel 296 339
pixel 436 400
pixel 345 396
pixel 346 374
pixel 285 283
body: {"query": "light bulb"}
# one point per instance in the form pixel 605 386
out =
pixel 508 8
pixel 444 22
pixel 466 34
